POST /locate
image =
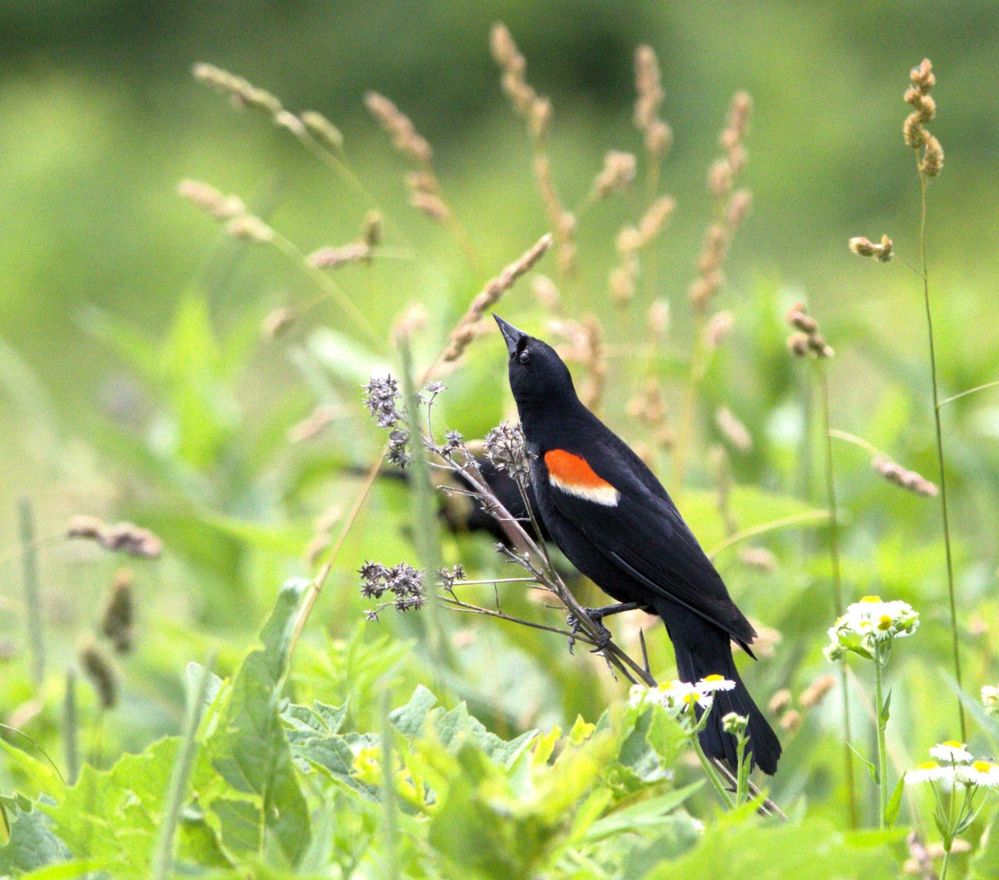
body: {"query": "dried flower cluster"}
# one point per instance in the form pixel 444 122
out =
pixel 617 174
pixel 381 396
pixel 733 205
pixel 467 328
pixel 924 108
pixel 650 96
pixel 403 581
pixel 867 623
pixel 649 407
pixel 425 193
pixel 882 251
pixel 507 450
pixel 807 340
pixel 360 250
pixel 733 429
pixel 630 241
pixel 239 223
pixel 536 111
pixel 122 537
pixel 118 619
pixel 906 479
pixel 97 667
pixel 277 322
pixel 583 344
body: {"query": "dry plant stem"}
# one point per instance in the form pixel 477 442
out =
pixel 162 860
pixel 923 184
pixel 32 599
pixel 325 283
pixel 833 534
pixel 315 588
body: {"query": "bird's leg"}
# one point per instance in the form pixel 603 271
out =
pixel 597 615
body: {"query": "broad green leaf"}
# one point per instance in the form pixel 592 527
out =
pixel 645 814
pixel 250 750
pixel 32 844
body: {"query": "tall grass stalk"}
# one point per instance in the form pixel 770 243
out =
pixel 32 599
pixel 833 536
pixel 952 601
pixel 71 728
pixel 428 543
pixel 162 861
pixel 390 808
pixel 882 723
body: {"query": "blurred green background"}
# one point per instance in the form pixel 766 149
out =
pixel 100 119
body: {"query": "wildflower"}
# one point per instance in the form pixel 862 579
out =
pixel 869 622
pixel 450 575
pixel 930 771
pixel 381 396
pixel 951 752
pixel 713 683
pixel 862 246
pixel 983 773
pixel 507 449
pixel 734 723
pixel 990 699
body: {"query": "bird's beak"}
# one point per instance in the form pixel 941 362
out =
pixel 510 333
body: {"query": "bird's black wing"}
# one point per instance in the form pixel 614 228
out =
pixel 644 535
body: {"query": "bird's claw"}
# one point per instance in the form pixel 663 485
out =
pixel 603 635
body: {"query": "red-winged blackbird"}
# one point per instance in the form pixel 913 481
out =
pixel 615 522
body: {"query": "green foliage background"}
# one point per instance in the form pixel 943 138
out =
pixel 134 385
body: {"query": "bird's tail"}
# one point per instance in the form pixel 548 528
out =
pixel 712 654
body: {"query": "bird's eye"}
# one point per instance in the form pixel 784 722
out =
pixel 524 357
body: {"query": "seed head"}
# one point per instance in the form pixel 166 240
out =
pixel 119 613
pixel 97 667
pixel 506 448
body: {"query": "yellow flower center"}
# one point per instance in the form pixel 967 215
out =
pixel 714 677
pixel 927 765
pixel 982 766
pixel 871 599
pixel 952 744
pixel 691 698
pixel 884 622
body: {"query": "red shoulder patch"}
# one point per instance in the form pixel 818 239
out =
pixel 566 467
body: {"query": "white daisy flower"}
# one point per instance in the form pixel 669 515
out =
pixel 990 699
pixel 951 752
pixel 713 683
pixel 983 773
pixel 867 622
pixel 931 771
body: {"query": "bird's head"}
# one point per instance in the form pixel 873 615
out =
pixel 537 374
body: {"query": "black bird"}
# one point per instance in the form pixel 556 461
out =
pixel 616 523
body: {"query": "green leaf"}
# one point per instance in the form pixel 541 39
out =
pixel 895 802
pixel 985 864
pixel 32 843
pixel 884 713
pixel 250 750
pixel 643 815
